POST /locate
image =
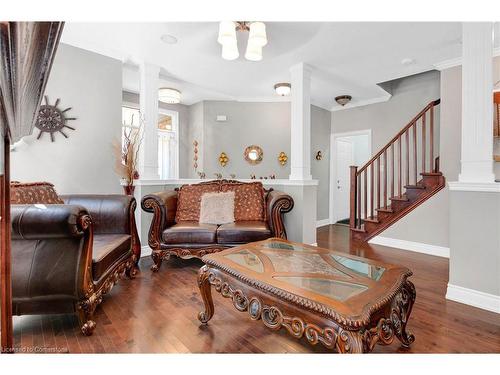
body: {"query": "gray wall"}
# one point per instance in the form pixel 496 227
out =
pixel 195 133
pixel 428 223
pixel 264 124
pixel 83 163
pixel 185 148
pixel 475 241
pixel 320 169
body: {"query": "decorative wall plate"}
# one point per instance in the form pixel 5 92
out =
pixel 51 119
pixel 253 154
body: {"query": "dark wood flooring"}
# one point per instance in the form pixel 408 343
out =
pixel 158 313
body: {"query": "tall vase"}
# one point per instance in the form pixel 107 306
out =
pixel 129 189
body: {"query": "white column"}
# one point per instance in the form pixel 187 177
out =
pixel 477 102
pixel 300 152
pixel 148 158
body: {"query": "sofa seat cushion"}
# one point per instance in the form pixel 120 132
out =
pixel 107 249
pixel 243 232
pixel 190 232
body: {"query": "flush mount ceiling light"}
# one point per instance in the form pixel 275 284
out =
pixel 343 99
pixel 169 95
pixel 257 39
pixel 282 89
pixel 168 39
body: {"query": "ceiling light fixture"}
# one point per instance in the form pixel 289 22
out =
pixel 282 89
pixel 168 39
pixel 169 95
pixel 343 99
pixel 257 38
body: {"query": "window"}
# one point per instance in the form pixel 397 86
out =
pixel 168 138
pixel 168 144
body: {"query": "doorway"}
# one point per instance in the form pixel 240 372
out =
pixel 350 148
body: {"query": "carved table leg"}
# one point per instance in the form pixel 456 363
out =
pixel 157 259
pixel 350 342
pixel 206 295
pixel 400 313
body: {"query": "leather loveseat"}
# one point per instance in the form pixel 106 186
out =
pixel 68 252
pixel 175 229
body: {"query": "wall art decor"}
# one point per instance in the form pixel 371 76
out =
pixel 218 176
pixel 253 154
pixel 223 159
pixel 52 119
pixel 282 158
pixel 201 175
pixel 319 155
pixel 195 157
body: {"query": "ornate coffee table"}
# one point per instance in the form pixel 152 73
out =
pixel 347 303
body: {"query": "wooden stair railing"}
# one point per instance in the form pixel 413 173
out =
pixel 403 174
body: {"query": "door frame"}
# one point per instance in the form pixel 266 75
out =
pixel 333 168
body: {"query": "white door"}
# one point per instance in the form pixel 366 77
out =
pixel 344 159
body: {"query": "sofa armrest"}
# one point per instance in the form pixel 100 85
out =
pixel 111 214
pixel 278 203
pixel 163 205
pixel 47 221
pixel 51 251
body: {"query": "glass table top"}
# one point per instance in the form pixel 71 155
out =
pixel 310 269
pixel 338 290
pixel 246 259
pixel 360 267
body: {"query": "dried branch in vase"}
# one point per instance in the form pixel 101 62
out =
pixel 126 153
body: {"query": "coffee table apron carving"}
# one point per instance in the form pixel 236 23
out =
pixel 346 303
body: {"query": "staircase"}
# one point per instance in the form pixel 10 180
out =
pixel 400 177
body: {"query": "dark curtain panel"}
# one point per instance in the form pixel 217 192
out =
pixel 27 50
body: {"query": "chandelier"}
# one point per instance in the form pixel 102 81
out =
pixel 257 39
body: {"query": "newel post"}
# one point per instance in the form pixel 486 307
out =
pixel 354 187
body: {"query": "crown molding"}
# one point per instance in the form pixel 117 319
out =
pixel 457 61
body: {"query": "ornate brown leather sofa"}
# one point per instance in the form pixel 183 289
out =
pixel 182 235
pixel 65 257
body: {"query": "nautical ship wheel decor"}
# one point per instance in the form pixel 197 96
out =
pixel 51 119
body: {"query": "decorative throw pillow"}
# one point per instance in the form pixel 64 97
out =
pixel 189 199
pixel 34 192
pixel 249 200
pixel 217 208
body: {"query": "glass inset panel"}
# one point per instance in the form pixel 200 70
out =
pixel 301 262
pixel 360 267
pixel 246 259
pixel 284 246
pixel 337 290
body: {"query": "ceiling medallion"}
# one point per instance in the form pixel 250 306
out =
pixel 343 99
pixel 52 119
pixel 257 38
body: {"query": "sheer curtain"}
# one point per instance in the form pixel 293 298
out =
pixel 27 50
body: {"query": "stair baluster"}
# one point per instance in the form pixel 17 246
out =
pixel 373 211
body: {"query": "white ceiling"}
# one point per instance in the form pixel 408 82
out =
pixel 347 58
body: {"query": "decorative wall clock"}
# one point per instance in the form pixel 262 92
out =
pixel 51 119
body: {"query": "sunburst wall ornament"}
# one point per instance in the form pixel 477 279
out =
pixel 51 119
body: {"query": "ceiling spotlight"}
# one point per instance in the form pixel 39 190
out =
pixel 169 95
pixel 282 89
pixel 343 99
pixel 407 61
pixel 168 39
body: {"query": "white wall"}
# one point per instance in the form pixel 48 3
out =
pixel 92 85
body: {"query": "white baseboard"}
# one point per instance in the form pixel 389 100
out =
pixel 145 251
pixel 474 298
pixel 322 223
pixel 417 247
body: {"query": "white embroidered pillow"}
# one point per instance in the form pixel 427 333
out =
pixel 217 208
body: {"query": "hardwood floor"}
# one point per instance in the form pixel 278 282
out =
pixel 158 313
